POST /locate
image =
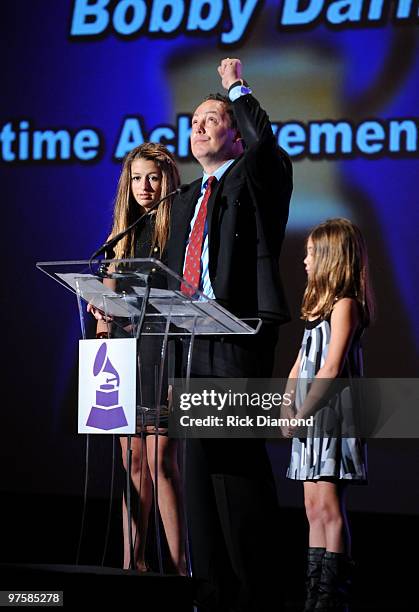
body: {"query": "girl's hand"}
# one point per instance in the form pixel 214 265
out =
pixel 287 430
pixel 98 314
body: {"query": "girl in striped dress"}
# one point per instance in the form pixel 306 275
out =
pixel 337 307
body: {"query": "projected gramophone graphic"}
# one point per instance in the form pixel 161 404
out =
pixel 106 414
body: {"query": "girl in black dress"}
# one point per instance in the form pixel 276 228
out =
pixel 149 173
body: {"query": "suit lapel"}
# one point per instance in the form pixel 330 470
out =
pixel 182 213
pixel 213 204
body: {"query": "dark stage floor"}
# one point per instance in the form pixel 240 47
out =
pixel 39 537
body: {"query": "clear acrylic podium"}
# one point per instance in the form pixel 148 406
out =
pixel 132 296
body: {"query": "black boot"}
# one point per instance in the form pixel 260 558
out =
pixel 335 581
pixel 314 570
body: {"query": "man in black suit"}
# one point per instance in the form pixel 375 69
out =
pixel 241 217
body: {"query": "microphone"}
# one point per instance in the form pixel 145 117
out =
pixel 182 188
pixel 113 241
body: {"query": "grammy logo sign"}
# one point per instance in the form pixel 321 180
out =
pixel 107 376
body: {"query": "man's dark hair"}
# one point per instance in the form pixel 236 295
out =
pixel 228 106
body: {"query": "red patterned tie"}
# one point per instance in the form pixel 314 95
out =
pixel 192 270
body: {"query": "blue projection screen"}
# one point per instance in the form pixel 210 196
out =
pixel 84 81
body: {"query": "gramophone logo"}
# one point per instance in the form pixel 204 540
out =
pixel 106 385
pixel 106 414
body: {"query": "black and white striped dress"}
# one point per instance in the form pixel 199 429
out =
pixel 314 457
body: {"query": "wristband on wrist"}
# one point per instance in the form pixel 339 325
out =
pixel 241 82
pixel 101 335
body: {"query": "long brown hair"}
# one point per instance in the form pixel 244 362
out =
pixel 127 210
pixel 340 269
